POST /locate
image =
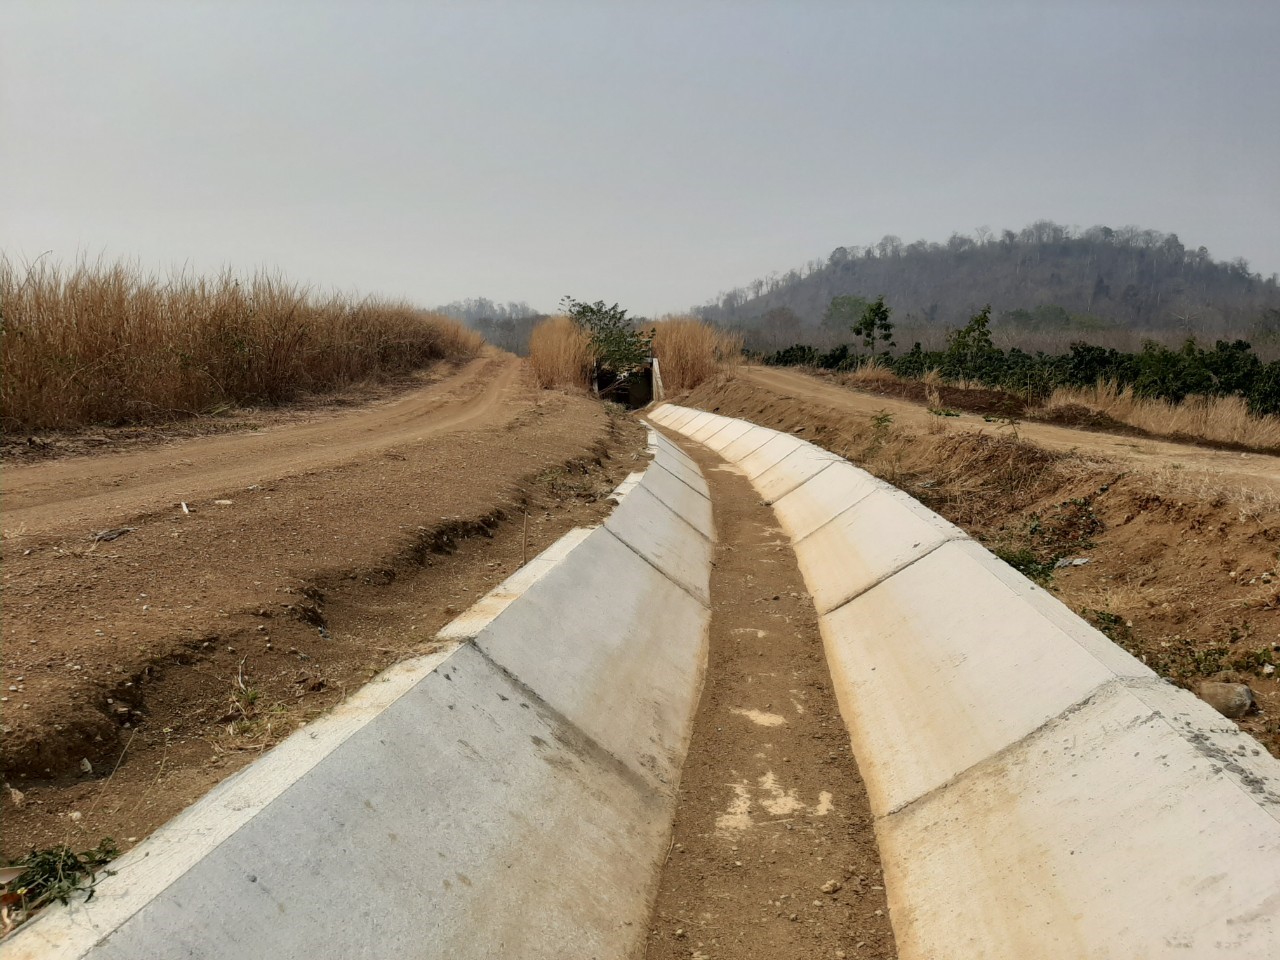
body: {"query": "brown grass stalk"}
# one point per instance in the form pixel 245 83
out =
pixel 560 354
pixel 107 344
pixel 691 352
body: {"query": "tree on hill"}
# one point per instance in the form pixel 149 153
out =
pixel 874 325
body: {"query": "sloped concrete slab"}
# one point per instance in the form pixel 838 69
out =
pixel 1119 661
pixel 706 428
pixel 483 612
pixel 792 470
pixel 749 442
pixel 614 646
pixel 1107 834
pixel 698 421
pixel 880 534
pixel 693 506
pixel 826 495
pixel 664 539
pixel 722 438
pixel 690 476
pixel 299 878
pixel 943 665
pixel 663 445
pixel 768 454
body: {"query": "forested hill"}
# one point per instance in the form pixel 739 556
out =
pixel 1046 278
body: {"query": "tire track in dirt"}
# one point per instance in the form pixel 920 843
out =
pixel 105 491
pixel 773 853
pixel 1259 472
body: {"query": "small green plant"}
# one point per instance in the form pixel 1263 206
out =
pixel 880 424
pixel 55 873
pixel 943 412
pixel 1113 625
pixel 1025 561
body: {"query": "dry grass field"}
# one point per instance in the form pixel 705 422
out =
pixel 108 344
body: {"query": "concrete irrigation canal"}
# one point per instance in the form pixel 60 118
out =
pixel 560 782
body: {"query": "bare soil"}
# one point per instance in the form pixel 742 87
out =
pixel 774 853
pixel 144 664
pixel 1180 544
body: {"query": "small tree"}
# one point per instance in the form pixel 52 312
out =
pixel 618 346
pixel 970 347
pixel 874 325
pixel 843 313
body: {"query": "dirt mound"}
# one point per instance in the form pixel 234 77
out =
pixel 1078 415
pixel 993 403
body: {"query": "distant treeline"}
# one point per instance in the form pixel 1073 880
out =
pixel 1047 284
pixel 1156 371
pixel 505 325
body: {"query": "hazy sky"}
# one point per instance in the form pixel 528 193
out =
pixel 643 152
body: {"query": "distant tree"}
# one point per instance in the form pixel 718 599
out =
pixel 874 325
pixel 970 347
pixel 782 324
pixel 843 312
pixel 620 346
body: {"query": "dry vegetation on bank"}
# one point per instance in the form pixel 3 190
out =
pixel 1222 421
pixel 108 344
pixel 560 353
pixel 690 351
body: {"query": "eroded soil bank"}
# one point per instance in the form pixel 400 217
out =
pixel 141 669
pixel 1177 559
pixel 774 854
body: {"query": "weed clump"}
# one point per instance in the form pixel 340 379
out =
pixel 55 873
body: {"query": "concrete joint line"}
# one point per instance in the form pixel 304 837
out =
pixel 890 575
pixel 585 743
pixel 677 515
pixel 701 602
pixel 760 473
pixel 681 479
pixel 831 519
pixel 1010 747
pixel 770 503
pixel 707 442
pixel 771 435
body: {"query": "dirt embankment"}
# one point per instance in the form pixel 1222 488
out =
pixel 1173 552
pixel 150 650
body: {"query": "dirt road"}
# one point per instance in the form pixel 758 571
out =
pixel 1258 472
pixel 103 491
pixel 140 669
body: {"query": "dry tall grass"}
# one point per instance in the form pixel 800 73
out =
pixel 560 353
pixel 1217 419
pixel 690 352
pixel 103 344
